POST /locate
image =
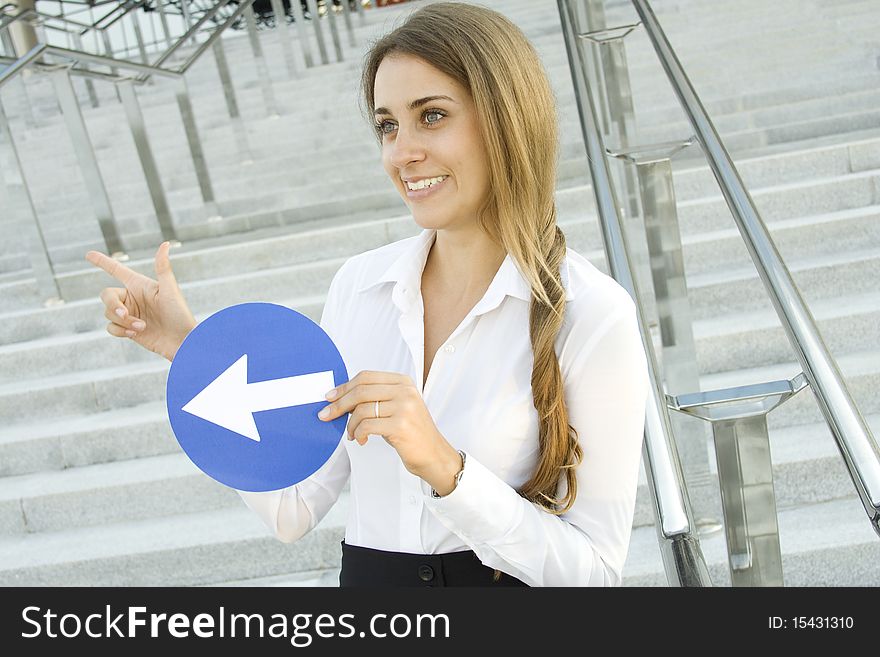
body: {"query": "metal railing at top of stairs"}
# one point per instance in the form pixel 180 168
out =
pixel 77 62
pixel 77 29
pixel 737 415
pixel 137 73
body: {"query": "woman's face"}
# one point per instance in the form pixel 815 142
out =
pixel 431 144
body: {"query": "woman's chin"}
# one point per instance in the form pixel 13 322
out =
pixel 428 220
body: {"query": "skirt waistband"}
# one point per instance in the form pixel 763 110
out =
pixel 362 566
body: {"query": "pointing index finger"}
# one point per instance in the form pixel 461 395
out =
pixel 116 269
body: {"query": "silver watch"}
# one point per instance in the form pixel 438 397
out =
pixel 437 495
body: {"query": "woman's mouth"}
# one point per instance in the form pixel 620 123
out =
pixel 424 188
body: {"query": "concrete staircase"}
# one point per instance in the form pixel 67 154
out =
pixel 95 490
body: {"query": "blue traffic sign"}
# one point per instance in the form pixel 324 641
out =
pixel 243 396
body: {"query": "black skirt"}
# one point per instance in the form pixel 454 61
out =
pixel 367 567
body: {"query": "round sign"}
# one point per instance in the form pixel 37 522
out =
pixel 243 396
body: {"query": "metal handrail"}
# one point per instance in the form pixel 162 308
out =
pixel 80 56
pixel 9 19
pixel 679 545
pixel 82 28
pixel 96 25
pixel 215 34
pixel 125 13
pixel 145 70
pixel 196 27
pixel 17 65
pixel 851 433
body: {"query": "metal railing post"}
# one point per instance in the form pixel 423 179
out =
pixel 319 35
pixel 611 68
pixel 346 15
pixel 195 145
pixel 334 32
pixel 24 102
pixel 300 20
pixel 662 236
pixel 8 45
pixel 262 69
pixel 590 17
pixel 745 473
pixel 138 35
pixel 359 9
pixel 90 87
pixel 108 49
pixel 163 18
pixel 145 154
pixel 187 17
pixel 85 154
pixel 27 111
pixel 238 128
pixel 38 252
pixel 283 33
pixel 607 70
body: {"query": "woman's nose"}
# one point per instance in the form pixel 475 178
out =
pixel 407 148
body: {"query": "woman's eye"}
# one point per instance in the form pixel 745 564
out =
pixel 432 113
pixel 385 127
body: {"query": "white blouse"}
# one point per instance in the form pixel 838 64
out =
pixel 479 394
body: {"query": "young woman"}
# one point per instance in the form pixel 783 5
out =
pixel 499 402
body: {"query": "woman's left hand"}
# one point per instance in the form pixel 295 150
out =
pixel 404 421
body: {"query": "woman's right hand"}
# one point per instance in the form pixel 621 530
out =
pixel 153 313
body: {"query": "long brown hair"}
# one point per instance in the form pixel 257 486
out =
pixel 493 59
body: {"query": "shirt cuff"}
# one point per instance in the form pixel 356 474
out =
pixel 481 508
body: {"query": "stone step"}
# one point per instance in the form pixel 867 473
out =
pixel 807 469
pixel 682 46
pixel 270 138
pixel 786 201
pixel 819 277
pixel 82 440
pixel 356 171
pixel 742 338
pixel 826 544
pixel 183 550
pixel 777 37
pixel 846 323
pixel 735 288
pixel 282 207
pixel 776 203
pixel 141 487
pixel 558 72
pixel 138 489
pixel 107 388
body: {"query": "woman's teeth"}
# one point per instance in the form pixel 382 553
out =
pixel 425 182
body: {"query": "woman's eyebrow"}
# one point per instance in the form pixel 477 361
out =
pixel 414 104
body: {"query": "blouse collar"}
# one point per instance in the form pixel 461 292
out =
pixel 406 273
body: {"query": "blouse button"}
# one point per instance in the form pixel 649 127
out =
pixel 449 348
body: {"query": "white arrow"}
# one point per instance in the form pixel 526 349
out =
pixel 230 401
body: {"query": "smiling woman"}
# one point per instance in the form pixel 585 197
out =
pixel 544 400
pixel 495 420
